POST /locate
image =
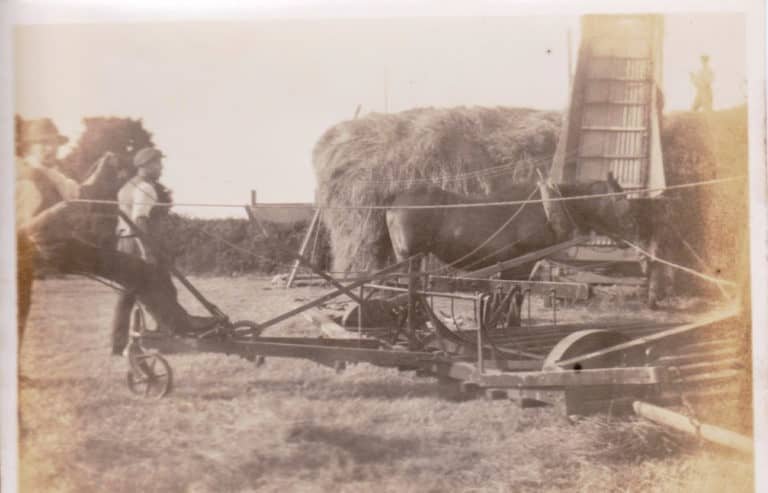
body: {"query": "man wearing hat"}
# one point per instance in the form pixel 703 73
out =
pixel 138 199
pixel 145 201
pixel 47 227
pixel 39 185
pixel 702 80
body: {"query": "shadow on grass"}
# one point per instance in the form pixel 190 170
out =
pixel 320 390
pixel 318 451
pixel 361 447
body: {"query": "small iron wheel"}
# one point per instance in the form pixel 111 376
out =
pixel 150 375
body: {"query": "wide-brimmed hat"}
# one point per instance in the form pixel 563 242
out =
pixel 41 130
pixel 146 155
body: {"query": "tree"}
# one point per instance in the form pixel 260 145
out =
pixel 122 136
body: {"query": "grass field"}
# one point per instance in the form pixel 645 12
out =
pixel 295 426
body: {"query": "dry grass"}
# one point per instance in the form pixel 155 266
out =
pixel 296 426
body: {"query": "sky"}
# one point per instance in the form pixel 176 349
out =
pixel 238 106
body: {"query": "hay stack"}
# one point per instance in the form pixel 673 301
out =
pixel 713 220
pixel 365 160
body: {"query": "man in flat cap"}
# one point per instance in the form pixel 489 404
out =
pixel 702 81
pixel 145 201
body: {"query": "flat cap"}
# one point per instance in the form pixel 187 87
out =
pixel 146 156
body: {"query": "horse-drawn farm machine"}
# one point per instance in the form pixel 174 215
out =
pixel 499 350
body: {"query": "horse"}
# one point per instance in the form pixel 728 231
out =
pixel 474 237
pixel 102 183
pixel 56 222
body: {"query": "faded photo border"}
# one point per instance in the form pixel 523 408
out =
pixel 97 11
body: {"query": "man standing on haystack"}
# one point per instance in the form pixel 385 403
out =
pixel 702 80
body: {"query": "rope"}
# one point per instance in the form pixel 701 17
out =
pixel 493 253
pixel 481 173
pixel 441 206
pixel 244 250
pixel 680 267
pixel 98 279
pixel 491 237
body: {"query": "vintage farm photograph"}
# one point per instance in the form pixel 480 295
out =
pixel 472 254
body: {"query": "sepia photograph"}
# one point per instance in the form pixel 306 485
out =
pixel 313 248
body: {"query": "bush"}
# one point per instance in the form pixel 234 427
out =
pixel 234 246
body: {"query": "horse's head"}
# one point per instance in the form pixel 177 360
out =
pixel 611 213
pixel 105 178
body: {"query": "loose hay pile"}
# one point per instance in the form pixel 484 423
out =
pixel 713 219
pixel 365 160
pixel 475 150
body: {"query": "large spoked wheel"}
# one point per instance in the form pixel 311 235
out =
pixel 150 376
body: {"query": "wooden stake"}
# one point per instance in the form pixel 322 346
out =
pixel 303 249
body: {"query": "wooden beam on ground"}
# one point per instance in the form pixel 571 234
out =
pixel 714 434
pixel 524 259
pixel 644 375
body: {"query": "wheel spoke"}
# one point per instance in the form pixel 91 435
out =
pixel 150 376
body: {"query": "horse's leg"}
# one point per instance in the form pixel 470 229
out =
pixel 398 236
